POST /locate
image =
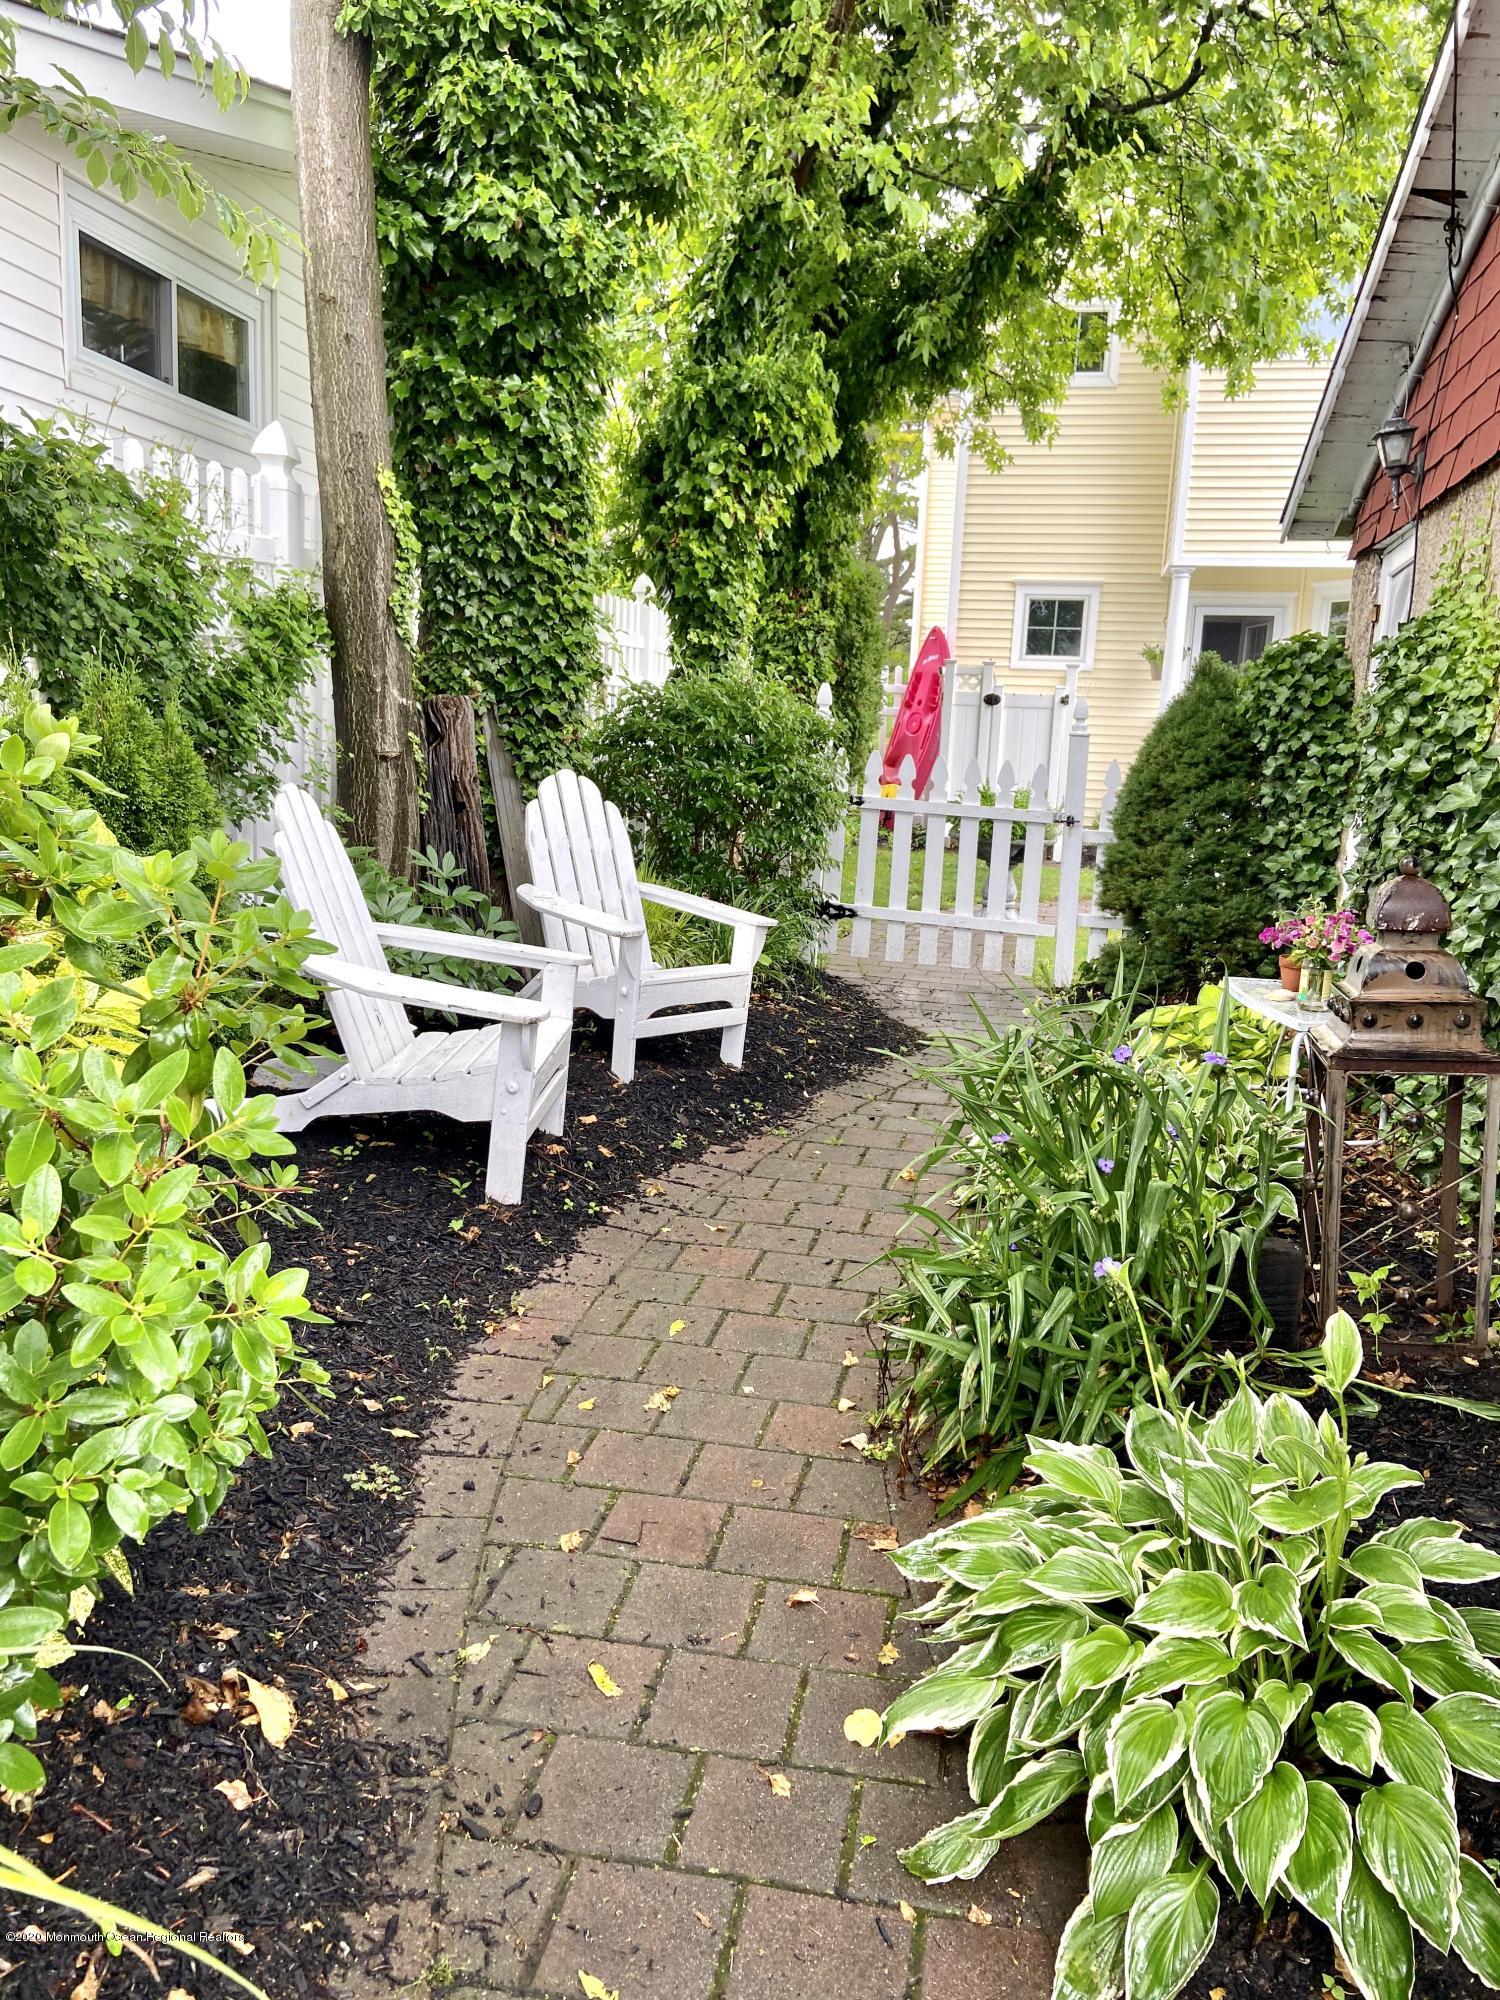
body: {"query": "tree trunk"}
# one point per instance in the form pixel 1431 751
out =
pixel 372 673
pixel 510 818
pixel 454 820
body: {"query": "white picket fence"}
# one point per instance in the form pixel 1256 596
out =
pixel 635 640
pixel 1009 903
pixel 988 723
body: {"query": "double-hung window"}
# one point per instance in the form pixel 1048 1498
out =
pixel 1054 624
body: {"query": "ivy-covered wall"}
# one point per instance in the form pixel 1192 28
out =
pixel 517 142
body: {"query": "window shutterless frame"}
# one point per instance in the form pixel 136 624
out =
pixel 1048 614
pixel 178 267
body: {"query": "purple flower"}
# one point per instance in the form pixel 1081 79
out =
pixel 1171 1130
pixel 1107 1267
pixel 1000 1138
pixel 1214 1060
pixel 1105 1164
pixel 1123 1053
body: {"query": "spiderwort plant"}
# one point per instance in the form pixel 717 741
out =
pixel 1077 1144
pixel 1253 1694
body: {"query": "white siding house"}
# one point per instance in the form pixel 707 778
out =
pixel 213 359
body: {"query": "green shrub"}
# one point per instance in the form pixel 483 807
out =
pixel 1186 868
pixel 1298 700
pixel 733 782
pixel 99 570
pixel 159 793
pixel 137 1353
pixel 825 625
pixel 1245 1693
pixel 436 898
pixel 1076 1147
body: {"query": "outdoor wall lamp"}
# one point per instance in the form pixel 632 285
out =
pixel 1394 442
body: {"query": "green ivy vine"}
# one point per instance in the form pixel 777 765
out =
pixel 517 144
pixel 1298 699
pixel 406 577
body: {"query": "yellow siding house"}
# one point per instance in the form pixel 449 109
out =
pixel 1141 529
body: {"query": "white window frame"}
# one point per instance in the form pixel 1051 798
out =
pixel 1398 564
pixel 1107 376
pixel 1054 662
pixel 88 213
pixel 1237 605
pixel 1324 597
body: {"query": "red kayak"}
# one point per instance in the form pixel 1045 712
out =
pixel 919 720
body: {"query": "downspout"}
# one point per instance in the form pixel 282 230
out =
pixel 956 550
pixel 1179 569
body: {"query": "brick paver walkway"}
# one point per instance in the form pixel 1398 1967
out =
pixel 644 1589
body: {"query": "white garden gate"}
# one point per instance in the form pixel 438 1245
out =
pixel 994 726
pixel 918 835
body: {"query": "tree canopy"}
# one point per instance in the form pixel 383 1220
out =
pixel 919 192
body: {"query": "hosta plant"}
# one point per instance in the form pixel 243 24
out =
pixel 1076 1143
pixel 1253 1694
pixel 143 1332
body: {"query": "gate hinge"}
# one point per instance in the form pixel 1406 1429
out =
pixel 835 912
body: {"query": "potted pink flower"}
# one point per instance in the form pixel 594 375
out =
pixel 1282 937
pixel 1329 939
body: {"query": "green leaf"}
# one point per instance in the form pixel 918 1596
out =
pixel 68 1533
pixel 41 1202
pixel 1187 1604
pixel 1088 1471
pixel 1271 1602
pixel 1299 1513
pixel 31 1146
pixel 1268 1828
pixel 1410 1840
pixel 1449 1560
pixel 1477 1939
pixel 1469 1728
pixel 1368 1657
pixel 229 1081
pixel 1084 1576
pixel 24 1626
pixel 1232 1746
pixel 127 1510
pixel 1444 1666
pixel 1318 1871
pixel 1374 1936
pixel 1168 1932
pixel 1090 1961
pixel 1127 1858
pixel 1145 1741
pixel 1348 1733
pixel 1412 1750
pixel 942 1701
pixel 954 1852
pixel 1036 1790
pixel 20 1771
pixel 1169 1663
pixel 1342 1351
pixel 1098 1659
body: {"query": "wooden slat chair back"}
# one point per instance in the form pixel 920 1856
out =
pixel 585 887
pixel 511 1072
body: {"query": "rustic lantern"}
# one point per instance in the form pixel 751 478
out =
pixel 1404 1007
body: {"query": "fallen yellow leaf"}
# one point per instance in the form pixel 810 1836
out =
pixel 336 1689
pixel 859 1440
pixel 575 1458
pixel 677 1326
pixel 273 1710
pixel 302 1429
pixel 862 1727
pixel 237 1792
pixel 780 1783
pixel 588 1402
pixel 908 1174
pixel 888 1654
pixel 600 1676
pixel 401 1434
pixel 980 1917
pixel 468 1655
pixel 876 1535
pixel 908 1913
pixel 595 1989
pixel 844 1404
pixel 548 1380
pixel 571 1542
pixel 851 1359
pixel 706 1921
pixel 802 1597
pixel 663 1398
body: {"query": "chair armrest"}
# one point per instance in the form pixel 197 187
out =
pixel 702 906
pixel 548 905
pixel 435 994
pixel 463 944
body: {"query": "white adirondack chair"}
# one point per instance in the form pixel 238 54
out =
pixel 585 887
pixel 513 1072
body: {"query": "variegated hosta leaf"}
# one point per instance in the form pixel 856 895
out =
pixel 1343 1352
pixel 1212 1501
pixel 1285 1700
pixel 1236 1425
pixel 1373 1661
pixel 1090 1961
pixel 1129 1857
pixel 1145 1741
pixel 954 1852
pixel 1483 1627
pixel 1153 1441
pixel 1302 1512
pixel 1469 1725
pixel 1090 1471
pixel 1268 1829
pixel 1234 1743
pixel 1348 1733
pixel 1404 1613
pixel 941 1701
pixel 1168 1932
pixel 1096 1660
pixel 989 1762
pixel 1373 1935
pixel 1169 1662
pixel 1187 1604
pixel 1084 1576
pixel 1443 1666
pixel 1376 1562
pixel 1410 1840
pixel 1036 1790
pixel 1319 1870
pixel 1412 1750
pixel 1290 1440
pixel 1036 1635
pixel 1369 1484
pixel 1477 1939
pixel 1270 1602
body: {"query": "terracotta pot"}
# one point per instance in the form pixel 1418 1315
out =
pixel 1291 974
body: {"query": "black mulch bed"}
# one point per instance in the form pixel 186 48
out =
pixel 409 1263
pixel 1460 1457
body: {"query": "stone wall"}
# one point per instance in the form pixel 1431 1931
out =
pixel 1468 509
